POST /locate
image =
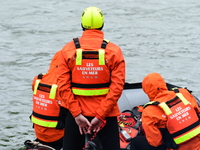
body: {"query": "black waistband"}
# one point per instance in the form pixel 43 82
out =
pixel 102 85
pixel 45 117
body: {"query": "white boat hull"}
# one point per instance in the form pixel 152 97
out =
pixel 133 95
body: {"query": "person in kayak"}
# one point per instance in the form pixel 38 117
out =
pixel 48 115
pixel 91 77
pixel 170 120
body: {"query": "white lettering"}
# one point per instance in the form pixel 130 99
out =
pixel 84 72
pixel 185 114
pixel 178 108
pixel 42 100
pixel 41 96
pixel 178 118
pixel 90 68
pixel 43 104
pixel 180 112
pixel 93 72
pixel 89 64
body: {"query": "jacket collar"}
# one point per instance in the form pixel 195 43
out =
pixel 93 33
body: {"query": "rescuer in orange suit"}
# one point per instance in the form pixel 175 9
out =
pixel 48 116
pixel 171 118
pixel 91 80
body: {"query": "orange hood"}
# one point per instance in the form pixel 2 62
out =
pixel 153 84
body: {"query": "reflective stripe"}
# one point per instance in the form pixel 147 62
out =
pixel 166 109
pixel 106 40
pixel 79 57
pixel 174 88
pixel 121 125
pixel 149 103
pixel 36 86
pixel 101 57
pixel 52 94
pixel 182 98
pixel 51 124
pixel 187 136
pixel 90 92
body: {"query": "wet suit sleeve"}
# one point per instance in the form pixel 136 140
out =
pixel 151 117
pixel 64 84
pixel 192 99
pixel 117 65
pixel 195 105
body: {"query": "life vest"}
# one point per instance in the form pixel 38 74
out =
pixel 46 109
pixel 90 76
pixel 183 123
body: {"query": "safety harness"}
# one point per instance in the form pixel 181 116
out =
pixel 183 122
pixel 45 107
pixel 91 80
pixel 51 89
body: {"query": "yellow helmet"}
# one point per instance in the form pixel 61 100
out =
pixel 92 18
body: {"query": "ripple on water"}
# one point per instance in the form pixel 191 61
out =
pixel 155 36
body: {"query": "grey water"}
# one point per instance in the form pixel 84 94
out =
pixel 154 35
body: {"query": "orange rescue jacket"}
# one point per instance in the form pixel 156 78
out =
pixel 154 118
pixel 104 104
pixel 46 105
pixel 46 108
pixel 183 123
pixel 91 77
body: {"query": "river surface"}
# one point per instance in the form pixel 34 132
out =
pixel 156 36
